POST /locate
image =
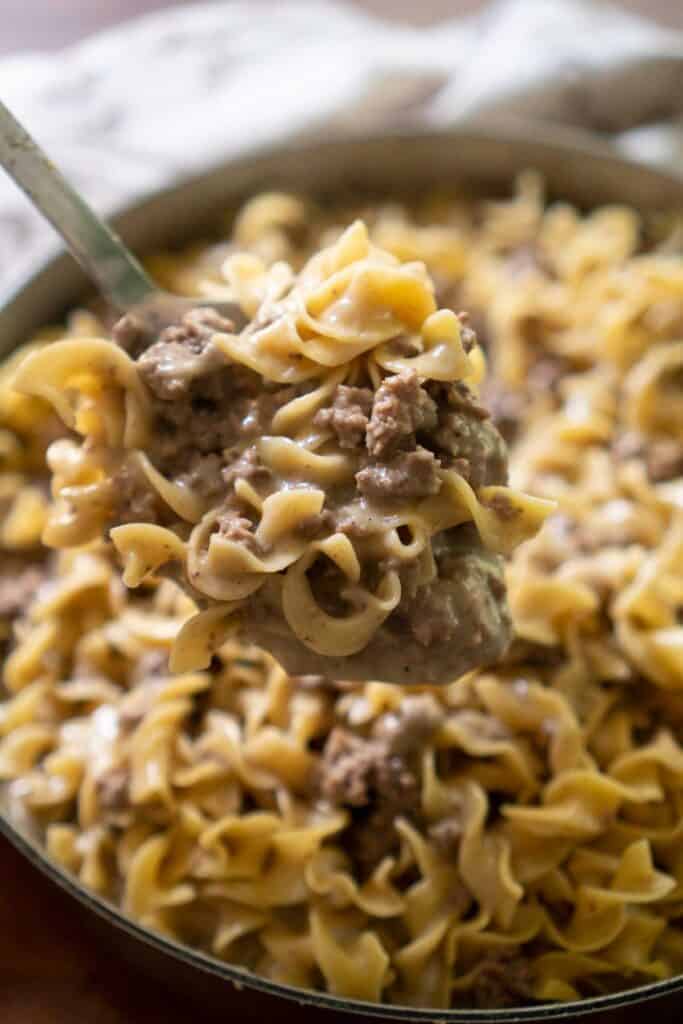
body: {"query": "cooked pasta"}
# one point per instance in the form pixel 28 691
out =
pixel 320 481
pixel 512 838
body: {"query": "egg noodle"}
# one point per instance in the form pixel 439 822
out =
pixel 516 836
pixel 354 315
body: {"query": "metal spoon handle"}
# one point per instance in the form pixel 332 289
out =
pixel 100 252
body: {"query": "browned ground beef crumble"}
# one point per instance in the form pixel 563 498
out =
pixel 378 779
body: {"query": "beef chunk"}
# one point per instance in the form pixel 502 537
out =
pixel 401 408
pixel 218 413
pixel 377 786
pixel 464 436
pixel 476 445
pixel 183 353
pixel 246 466
pixel 348 415
pixel 202 403
pixel 435 618
pixel 378 778
pixel 169 367
pixel 136 500
pixel 505 979
pixel 235 527
pixel 208 418
pixel 465 604
pixel 408 475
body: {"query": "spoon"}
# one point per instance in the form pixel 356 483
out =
pixel 118 275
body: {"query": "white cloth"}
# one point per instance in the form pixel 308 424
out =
pixel 168 94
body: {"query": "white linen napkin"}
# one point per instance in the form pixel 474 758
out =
pixel 165 95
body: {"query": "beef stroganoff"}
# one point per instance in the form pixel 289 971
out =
pixel 325 481
pixel 514 837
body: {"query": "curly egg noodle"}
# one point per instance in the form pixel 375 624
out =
pixel 514 837
pixel 354 315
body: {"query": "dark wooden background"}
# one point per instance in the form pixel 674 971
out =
pixel 52 971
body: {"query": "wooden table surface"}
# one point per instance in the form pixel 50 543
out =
pixel 52 971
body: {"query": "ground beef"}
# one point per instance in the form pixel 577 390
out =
pixel 357 772
pixel 505 979
pixel 219 412
pixel 168 368
pixel 18 584
pixel 474 443
pixel 401 408
pixel 348 415
pixel 408 475
pixel 183 353
pixel 376 786
pixel 233 526
pixel 435 618
pixel 411 574
pixel 408 730
pixel 465 604
pixel 245 466
pixel 207 419
pixel 136 500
